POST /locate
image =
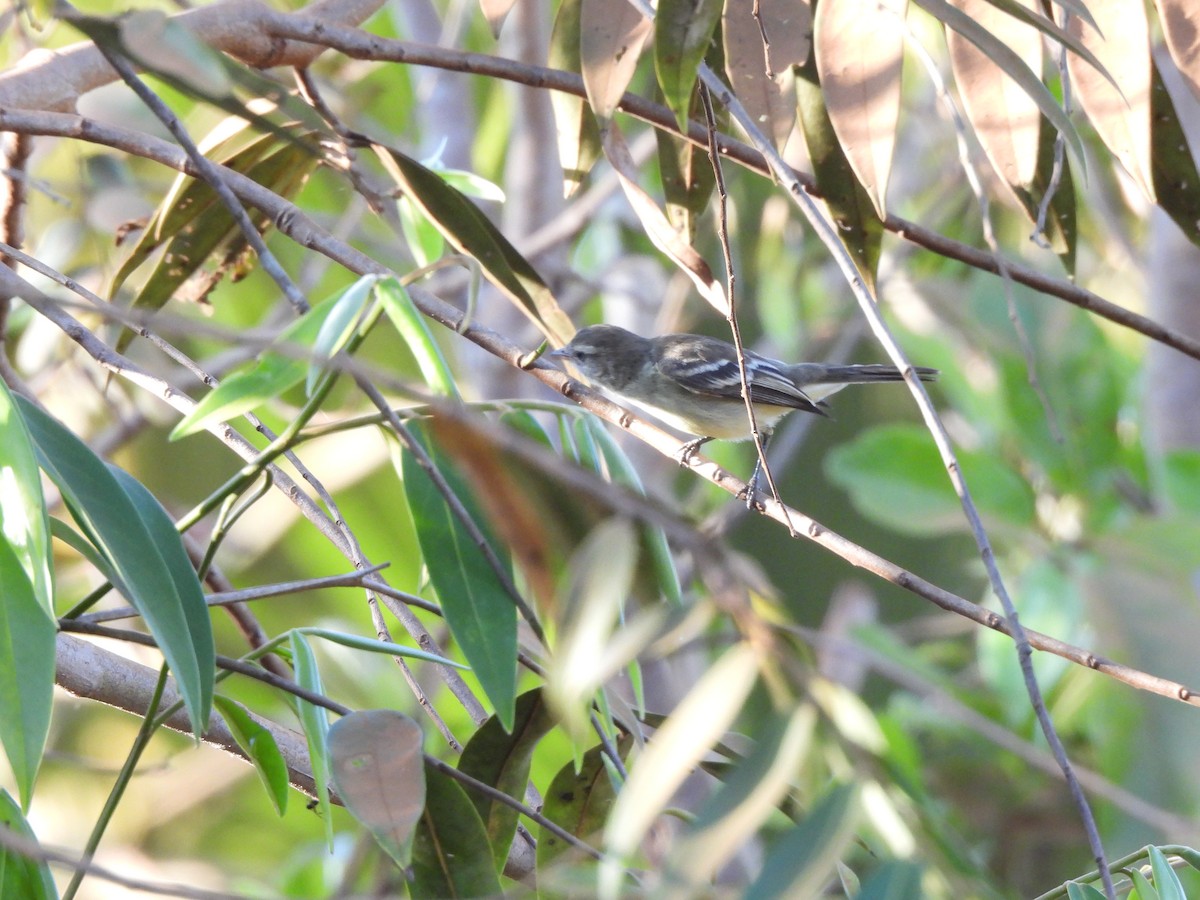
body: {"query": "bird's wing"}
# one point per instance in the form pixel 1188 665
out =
pixel 708 366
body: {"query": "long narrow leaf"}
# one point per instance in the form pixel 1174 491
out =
pixel 26 672
pixel 479 611
pixel 134 545
pixel 24 521
pixel 20 875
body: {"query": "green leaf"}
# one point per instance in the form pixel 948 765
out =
pixel 1077 891
pixel 358 642
pixel 1060 224
pixel 1143 889
pixel 687 175
pixel 138 538
pixel 314 720
pixel 804 858
pixel 259 745
pixel 472 185
pixel 578 801
pixel 859 227
pixel 578 133
pixel 1181 479
pixel 1166 882
pixel 894 880
pixel 339 326
pixel 209 234
pixel 683 30
pixel 425 242
pixel 21 876
pixel 1176 181
pixel 472 233
pixel 894 475
pixel 262 380
pixel 480 613
pixel 379 772
pixel 451 855
pixel 26 672
pixel 501 756
pixel 24 521
pixel 412 328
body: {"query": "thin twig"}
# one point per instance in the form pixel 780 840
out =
pixel 714 156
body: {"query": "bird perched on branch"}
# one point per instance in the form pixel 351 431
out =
pixel 693 382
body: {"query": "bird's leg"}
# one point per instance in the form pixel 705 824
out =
pixel 751 492
pixel 688 450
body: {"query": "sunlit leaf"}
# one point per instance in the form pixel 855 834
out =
pixel 496 11
pixel 1121 41
pixel 611 35
pixel 339 326
pixel 859 48
pixel 658 229
pixel 1011 63
pixel 682 32
pixel 412 327
pixel 699 720
pixel 1180 20
pixel 24 521
pixel 262 380
pixel 574 121
pixel 601 579
pixel 205 232
pixel 1003 116
pixel 764 86
pixel 472 233
pixel 260 747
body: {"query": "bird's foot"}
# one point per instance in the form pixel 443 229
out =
pixel 685 453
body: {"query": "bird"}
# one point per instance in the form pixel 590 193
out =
pixel 692 382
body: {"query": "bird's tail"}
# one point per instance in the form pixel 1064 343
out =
pixel 815 373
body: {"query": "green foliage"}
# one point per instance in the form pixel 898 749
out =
pixel 577 625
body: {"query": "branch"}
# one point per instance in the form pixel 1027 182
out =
pixel 296 225
pixel 56 79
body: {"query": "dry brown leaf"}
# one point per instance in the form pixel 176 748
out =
pixel 612 34
pixel 1121 118
pixel 768 98
pixel 496 11
pixel 1181 27
pixel 1005 118
pixel 859 49
pixel 657 226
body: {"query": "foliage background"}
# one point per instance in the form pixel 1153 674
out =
pixel 1089 491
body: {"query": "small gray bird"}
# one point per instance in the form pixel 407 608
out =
pixel 692 382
